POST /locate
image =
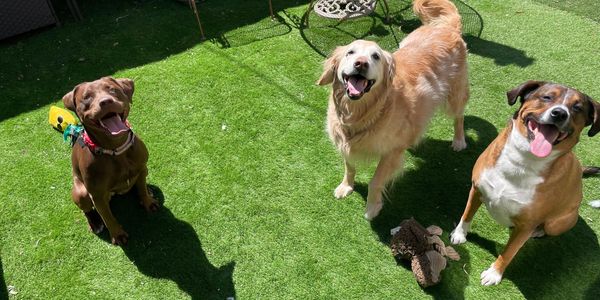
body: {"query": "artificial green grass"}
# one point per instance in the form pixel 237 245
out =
pixel 240 160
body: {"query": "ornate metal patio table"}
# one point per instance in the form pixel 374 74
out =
pixel 344 9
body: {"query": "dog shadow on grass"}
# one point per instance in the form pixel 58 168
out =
pixel 3 288
pixel 435 191
pixel 162 246
pixel 562 267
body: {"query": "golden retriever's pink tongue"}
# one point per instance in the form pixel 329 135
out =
pixel 544 136
pixel 114 125
pixel 356 86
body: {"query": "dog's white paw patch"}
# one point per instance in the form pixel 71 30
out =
pixel 539 232
pixel 457 236
pixel 458 145
pixel 490 276
pixel 595 204
pixel 342 191
pixel 373 210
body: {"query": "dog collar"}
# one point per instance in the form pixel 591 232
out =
pixel 86 141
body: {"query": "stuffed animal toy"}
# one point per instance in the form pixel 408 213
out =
pixel 423 248
pixel 60 118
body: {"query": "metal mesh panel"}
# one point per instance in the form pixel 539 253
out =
pixel 18 16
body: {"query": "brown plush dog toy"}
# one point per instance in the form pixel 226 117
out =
pixel 424 248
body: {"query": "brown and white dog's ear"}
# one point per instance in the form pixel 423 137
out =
pixel 522 90
pixel 127 85
pixel 330 66
pixel 69 99
pixel 593 117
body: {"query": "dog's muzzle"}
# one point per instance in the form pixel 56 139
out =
pixel 357 85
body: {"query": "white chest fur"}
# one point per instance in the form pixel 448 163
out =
pixel 511 183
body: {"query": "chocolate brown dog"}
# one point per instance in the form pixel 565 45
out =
pixel 108 157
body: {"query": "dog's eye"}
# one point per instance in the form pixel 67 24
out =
pixel 546 98
pixel 577 107
pixel 112 91
pixel 375 56
pixel 350 52
pixel 86 100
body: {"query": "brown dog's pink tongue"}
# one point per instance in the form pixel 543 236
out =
pixel 114 125
pixel 544 136
pixel 356 86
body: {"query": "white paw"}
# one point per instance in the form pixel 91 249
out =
pixel 538 232
pixel 457 236
pixel 490 276
pixel 343 190
pixel 373 210
pixel 459 144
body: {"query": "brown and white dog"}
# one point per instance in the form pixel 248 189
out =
pixel 528 177
pixel 381 103
pixel 108 157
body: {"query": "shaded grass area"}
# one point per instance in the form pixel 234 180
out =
pixel 585 8
pixel 240 161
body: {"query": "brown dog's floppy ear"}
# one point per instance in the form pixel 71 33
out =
pixel 593 117
pixel 330 66
pixel 127 85
pixel 69 99
pixel 522 90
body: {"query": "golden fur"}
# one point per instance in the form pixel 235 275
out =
pixel 427 71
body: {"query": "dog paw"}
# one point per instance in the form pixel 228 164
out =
pixel 343 190
pixel 95 223
pixel 150 205
pixel 491 276
pixel 458 145
pixel 458 236
pixel 373 210
pixel 538 233
pixel 119 238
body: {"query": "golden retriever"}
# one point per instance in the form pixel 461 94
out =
pixel 381 103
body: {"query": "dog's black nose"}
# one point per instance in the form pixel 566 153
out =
pixel 558 114
pixel 106 101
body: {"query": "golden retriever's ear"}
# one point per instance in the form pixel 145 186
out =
pixel 330 66
pixel 390 65
pixel 593 117
pixel 69 99
pixel 127 85
pixel 523 90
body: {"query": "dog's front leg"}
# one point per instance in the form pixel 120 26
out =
pixel 118 236
pixel 519 235
pixel 146 200
pixel 347 185
pixel 386 169
pixel 459 234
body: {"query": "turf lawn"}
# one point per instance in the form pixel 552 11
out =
pixel 241 163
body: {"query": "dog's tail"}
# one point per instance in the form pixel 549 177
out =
pixel 438 12
pixel 588 171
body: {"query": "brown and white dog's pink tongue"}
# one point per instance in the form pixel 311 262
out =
pixel 544 137
pixel 114 125
pixel 356 86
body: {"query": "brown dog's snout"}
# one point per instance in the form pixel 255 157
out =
pixel 361 63
pixel 106 101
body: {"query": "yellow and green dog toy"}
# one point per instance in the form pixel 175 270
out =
pixel 63 121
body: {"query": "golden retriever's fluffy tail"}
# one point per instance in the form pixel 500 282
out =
pixel 438 12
